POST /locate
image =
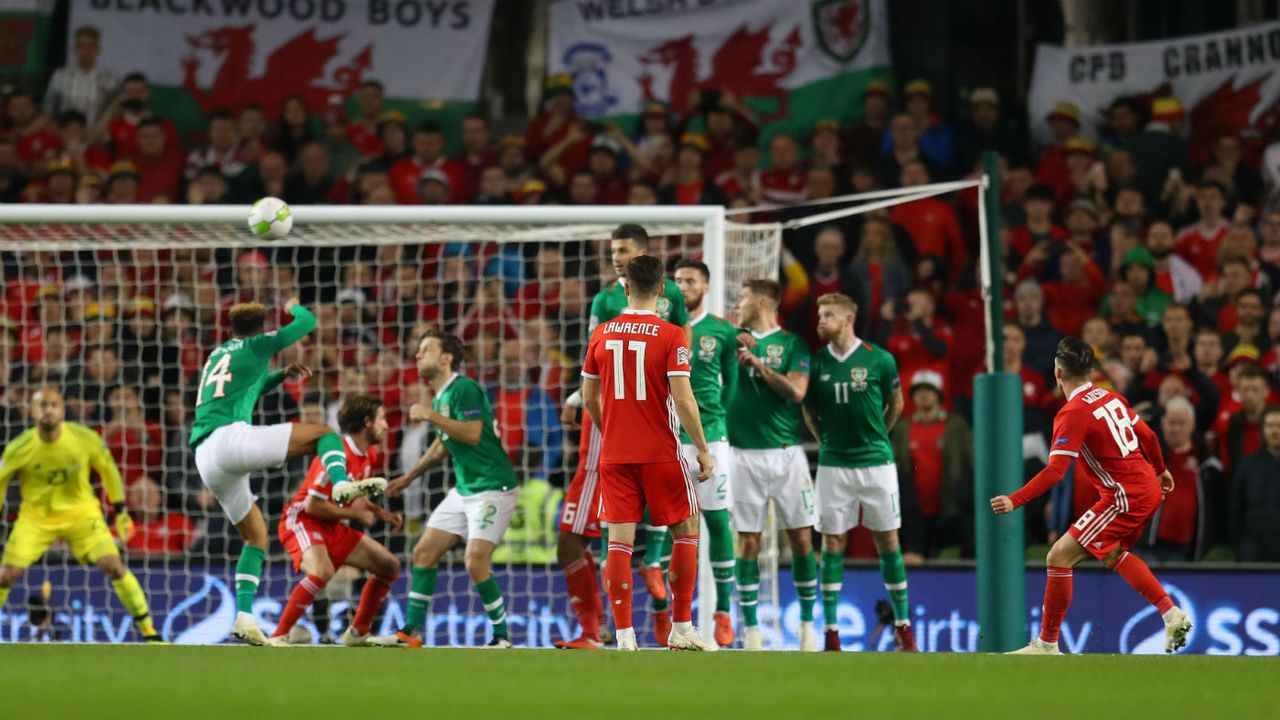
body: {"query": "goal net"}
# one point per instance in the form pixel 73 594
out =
pixel 118 307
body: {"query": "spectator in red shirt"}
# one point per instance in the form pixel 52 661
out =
pixel 828 275
pixel 1064 124
pixel 725 122
pixel 540 297
pixel 34 135
pixel 476 155
pixel 74 147
pixel 119 124
pixel 1242 435
pixel 159 164
pixel 514 163
pixel 554 124
pixel 1181 528
pixel 931 223
pixel 602 163
pixel 784 181
pixel 1076 296
pixel 428 154
pixel 1038 229
pixel 743 178
pixel 934 450
pixel 1198 243
pixel 155 530
pixel 882 279
pixel 364 132
pixel 1174 275
pixel 689 185
pixel 136 443
pixel 919 339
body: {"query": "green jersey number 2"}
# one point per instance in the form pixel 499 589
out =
pixel 217 375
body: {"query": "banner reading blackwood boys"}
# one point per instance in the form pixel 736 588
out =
pixel 1229 82
pixel 229 53
pixel 805 61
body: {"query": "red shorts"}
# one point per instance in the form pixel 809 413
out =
pixel 664 487
pixel 299 532
pixel 580 514
pixel 1114 522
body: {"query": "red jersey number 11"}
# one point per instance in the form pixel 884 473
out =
pixel 619 386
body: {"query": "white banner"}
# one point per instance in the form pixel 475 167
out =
pixel 623 53
pixel 230 52
pixel 1228 82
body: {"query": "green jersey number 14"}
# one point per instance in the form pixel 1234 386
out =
pixel 217 376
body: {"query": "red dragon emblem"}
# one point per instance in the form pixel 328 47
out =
pixel 294 68
pixel 738 66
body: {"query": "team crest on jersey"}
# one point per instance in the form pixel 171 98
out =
pixel 664 308
pixel 444 409
pixel 707 348
pixel 859 375
pixel 773 356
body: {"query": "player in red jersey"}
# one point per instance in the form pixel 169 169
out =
pixel 319 542
pixel 579 522
pixel 635 387
pixel 1122 456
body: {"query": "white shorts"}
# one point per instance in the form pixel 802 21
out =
pixel 227 457
pixel 843 491
pixel 779 474
pixel 483 516
pixel 714 493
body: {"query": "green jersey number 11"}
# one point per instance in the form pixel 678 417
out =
pixel 217 375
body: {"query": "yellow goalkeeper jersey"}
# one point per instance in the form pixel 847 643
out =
pixel 53 477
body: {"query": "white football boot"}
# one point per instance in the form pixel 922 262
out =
pixel 1177 628
pixel 1037 647
pixel 246 630
pixel 752 638
pixel 626 639
pixel 344 493
pixel 808 637
pixel 684 636
pixel 351 638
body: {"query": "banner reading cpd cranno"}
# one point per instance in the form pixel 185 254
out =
pixel 226 53
pixel 1229 82
pixel 801 59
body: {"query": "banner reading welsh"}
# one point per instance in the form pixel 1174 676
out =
pixel 202 56
pixel 803 60
pixel 1229 83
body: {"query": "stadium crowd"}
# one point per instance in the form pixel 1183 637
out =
pixel 1164 257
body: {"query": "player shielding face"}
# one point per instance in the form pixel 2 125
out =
pixel 636 389
pixel 479 507
pixel 1109 444
pixel 52 461
pixel 228 448
pixel 313 532
pixel 854 398
pixel 768 455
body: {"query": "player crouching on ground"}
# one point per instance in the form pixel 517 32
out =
pixel 636 389
pixel 313 532
pixel 1098 431
pixel 479 507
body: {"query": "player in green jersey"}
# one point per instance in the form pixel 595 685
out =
pixel 714 379
pixel 479 507
pixel 768 458
pixel 626 242
pixel 854 398
pixel 228 447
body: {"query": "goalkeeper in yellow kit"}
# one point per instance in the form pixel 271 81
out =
pixel 52 461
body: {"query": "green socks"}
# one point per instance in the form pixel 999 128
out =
pixel 333 455
pixel 804 570
pixel 749 590
pixel 422 585
pixel 832 579
pixel 491 595
pixel 720 547
pixel 248 571
pixel 894 573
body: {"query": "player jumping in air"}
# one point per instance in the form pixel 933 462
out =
pixel 1097 430
pixel 636 389
pixel 768 459
pixel 479 507
pixel 52 461
pixel 319 543
pixel 579 521
pixel 714 378
pixel 228 448
pixel 854 398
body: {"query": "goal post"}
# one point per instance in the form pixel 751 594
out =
pixel 105 265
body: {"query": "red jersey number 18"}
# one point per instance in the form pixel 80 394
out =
pixel 1120 424
pixel 619 387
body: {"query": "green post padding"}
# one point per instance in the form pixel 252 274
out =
pixel 997 439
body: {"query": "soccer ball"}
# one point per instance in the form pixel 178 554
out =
pixel 270 218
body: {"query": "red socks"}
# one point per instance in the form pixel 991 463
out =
pixel 618 583
pixel 1139 576
pixel 683 574
pixel 584 594
pixel 304 593
pixel 375 591
pixel 1057 598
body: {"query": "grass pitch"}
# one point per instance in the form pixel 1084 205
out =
pixel 187 683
